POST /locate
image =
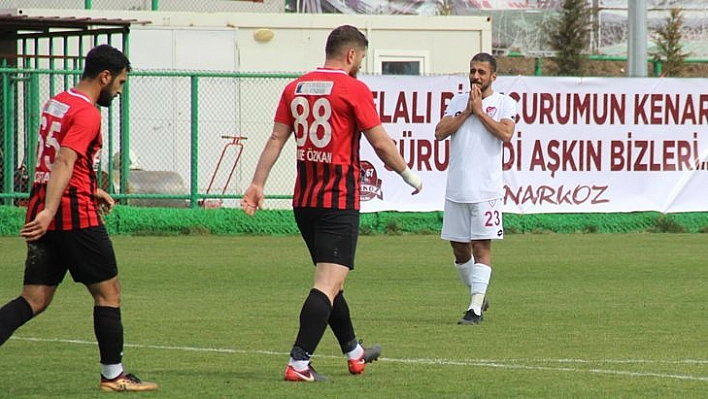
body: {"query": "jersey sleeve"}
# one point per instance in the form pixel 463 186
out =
pixel 454 105
pixel 364 108
pixel 82 131
pixel 282 113
pixel 509 110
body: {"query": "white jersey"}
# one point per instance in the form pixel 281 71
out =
pixel 474 173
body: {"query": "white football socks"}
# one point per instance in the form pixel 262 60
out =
pixel 480 281
pixel 111 371
pixel 465 271
pixel 299 365
pixel 356 353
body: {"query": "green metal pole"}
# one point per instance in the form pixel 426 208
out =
pixel 111 132
pixel 9 137
pixel 125 129
pixel 87 4
pixel 538 67
pixel 78 64
pixel 25 58
pixel 34 109
pixel 51 66
pixel 36 53
pixel 194 119
pixel 6 182
pixel 154 5
pixel 111 135
pixel 658 67
pixel 66 63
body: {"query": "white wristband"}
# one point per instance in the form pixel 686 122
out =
pixel 411 178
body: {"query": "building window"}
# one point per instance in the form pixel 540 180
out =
pixel 400 67
pixel 401 62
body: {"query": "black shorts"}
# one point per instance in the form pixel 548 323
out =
pixel 87 254
pixel 330 234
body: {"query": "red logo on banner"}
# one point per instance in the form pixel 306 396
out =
pixel 370 184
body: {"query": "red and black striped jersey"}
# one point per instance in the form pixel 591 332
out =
pixel 328 110
pixel 70 120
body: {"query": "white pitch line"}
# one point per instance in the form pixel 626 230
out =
pixel 545 368
pixel 621 361
pixel 598 361
pixel 503 364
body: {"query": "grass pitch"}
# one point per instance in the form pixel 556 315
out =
pixel 572 315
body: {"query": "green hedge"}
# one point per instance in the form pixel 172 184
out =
pixel 167 221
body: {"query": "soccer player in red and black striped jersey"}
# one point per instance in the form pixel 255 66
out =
pixel 64 229
pixel 326 111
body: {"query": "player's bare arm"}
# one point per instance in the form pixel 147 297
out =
pixel 62 169
pixel 386 151
pixel 503 130
pixel 253 197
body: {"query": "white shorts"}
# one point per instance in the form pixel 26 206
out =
pixel 468 222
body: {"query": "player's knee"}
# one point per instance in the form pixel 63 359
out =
pixel 106 293
pixel 462 253
pixel 111 300
pixel 38 303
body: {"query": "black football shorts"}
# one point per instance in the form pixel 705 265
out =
pixel 330 234
pixel 86 253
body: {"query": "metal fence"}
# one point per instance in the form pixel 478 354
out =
pixel 174 138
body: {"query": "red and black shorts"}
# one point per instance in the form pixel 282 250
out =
pixel 330 234
pixel 86 253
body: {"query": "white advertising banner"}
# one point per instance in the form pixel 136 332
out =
pixel 581 144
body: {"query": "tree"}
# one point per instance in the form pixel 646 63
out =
pixel 669 50
pixel 568 35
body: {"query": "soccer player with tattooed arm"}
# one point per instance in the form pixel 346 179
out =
pixel 64 228
pixel 326 111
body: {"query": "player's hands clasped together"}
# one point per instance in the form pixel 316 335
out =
pixel 474 104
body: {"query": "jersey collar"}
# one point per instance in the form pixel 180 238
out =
pixel 73 92
pixel 331 70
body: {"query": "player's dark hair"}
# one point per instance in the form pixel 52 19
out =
pixel 486 57
pixel 342 36
pixel 104 58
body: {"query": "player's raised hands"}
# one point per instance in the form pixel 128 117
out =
pixel 474 105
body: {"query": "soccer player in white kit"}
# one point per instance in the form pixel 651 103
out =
pixel 478 122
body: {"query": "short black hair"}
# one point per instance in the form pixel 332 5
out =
pixel 102 58
pixel 342 36
pixel 486 57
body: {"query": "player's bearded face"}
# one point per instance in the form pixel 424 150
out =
pixel 356 63
pixel 481 75
pixel 112 89
pixel 106 96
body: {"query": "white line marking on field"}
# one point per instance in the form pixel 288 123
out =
pixel 619 361
pixel 498 364
pixel 503 364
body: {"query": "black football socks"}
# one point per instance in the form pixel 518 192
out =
pixel 341 323
pixel 12 316
pixel 313 321
pixel 108 328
